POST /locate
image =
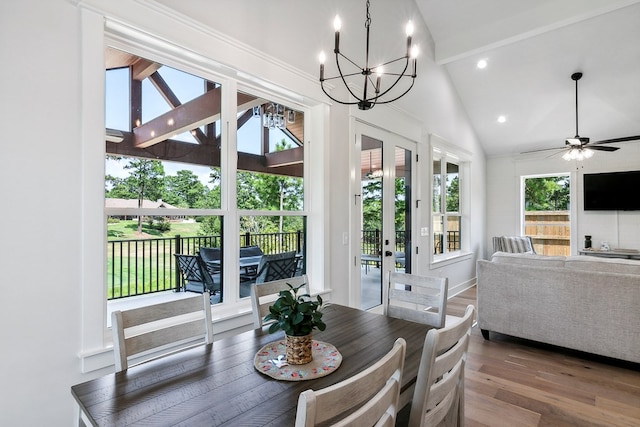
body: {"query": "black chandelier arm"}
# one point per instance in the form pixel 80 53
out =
pixel 337 100
pixel 397 97
pixel 338 54
pixel 406 58
pixel 342 76
pixel 400 76
pixel 345 75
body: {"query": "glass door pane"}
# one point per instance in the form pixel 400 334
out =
pixel 371 220
pixel 403 211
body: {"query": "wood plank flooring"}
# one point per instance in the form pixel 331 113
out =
pixel 515 382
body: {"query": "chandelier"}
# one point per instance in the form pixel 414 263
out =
pixel 373 174
pixel 373 92
pixel 273 116
pixel 577 153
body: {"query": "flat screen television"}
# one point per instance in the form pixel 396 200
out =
pixel 612 191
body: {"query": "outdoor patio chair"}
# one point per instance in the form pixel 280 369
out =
pixel 421 299
pixel 369 398
pixel 212 259
pixel 276 266
pixel 439 392
pixel 196 275
pixel 138 331
pixel 250 272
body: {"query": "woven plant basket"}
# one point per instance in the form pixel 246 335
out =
pixel 298 349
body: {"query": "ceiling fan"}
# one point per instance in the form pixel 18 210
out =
pixel 578 147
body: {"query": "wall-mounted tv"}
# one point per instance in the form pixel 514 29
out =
pixel 612 191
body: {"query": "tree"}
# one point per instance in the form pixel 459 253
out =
pixel 547 193
pixel 184 189
pixel 144 182
pixel 453 194
pixel 259 191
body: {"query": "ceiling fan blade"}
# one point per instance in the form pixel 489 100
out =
pixel 596 147
pixel 614 140
pixel 542 149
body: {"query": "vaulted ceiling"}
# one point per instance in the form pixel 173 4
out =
pixel 531 47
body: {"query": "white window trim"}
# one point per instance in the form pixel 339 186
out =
pixel 96 348
pixel 440 148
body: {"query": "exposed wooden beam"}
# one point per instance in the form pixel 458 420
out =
pixel 190 115
pixel 257 163
pixel 197 154
pixel 171 150
pixel 291 156
pixel 143 68
pixel 173 101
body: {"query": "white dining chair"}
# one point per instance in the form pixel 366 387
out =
pixel 375 392
pixel 421 299
pixel 148 332
pixel 264 294
pixel 439 392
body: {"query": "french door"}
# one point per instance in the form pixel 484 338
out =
pixel 382 232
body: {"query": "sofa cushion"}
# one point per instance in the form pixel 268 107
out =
pixel 528 259
pixel 605 265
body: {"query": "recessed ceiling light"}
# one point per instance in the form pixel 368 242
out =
pixel 482 64
pixel 502 119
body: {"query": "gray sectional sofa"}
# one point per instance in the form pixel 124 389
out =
pixel 579 302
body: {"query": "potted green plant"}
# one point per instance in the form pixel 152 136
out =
pixel 296 315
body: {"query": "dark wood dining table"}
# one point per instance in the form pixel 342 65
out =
pixel 218 385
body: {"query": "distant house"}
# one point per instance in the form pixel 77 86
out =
pixel 133 204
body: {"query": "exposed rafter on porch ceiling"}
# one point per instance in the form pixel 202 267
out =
pixel 153 139
pixel 190 115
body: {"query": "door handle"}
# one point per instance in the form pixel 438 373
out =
pixel 388 253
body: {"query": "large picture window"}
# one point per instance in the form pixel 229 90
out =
pixel 165 181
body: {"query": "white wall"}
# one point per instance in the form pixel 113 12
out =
pixel 41 212
pixel 620 229
pixel 41 191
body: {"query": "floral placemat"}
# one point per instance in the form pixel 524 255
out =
pixel 326 359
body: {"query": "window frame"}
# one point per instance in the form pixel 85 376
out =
pixel 99 30
pixel 448 153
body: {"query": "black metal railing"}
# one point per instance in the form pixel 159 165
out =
pixel 371 240
pixel 144 266
pixel 453 242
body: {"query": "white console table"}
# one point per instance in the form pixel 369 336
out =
pixel 615 253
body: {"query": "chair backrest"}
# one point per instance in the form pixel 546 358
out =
pixel 513 244
pixel 185 322
pixel 276 266
pixel 375 392
pixel 416 298
pixel 264 294
pixel 439 391
pixel 211 258
pixel 195 272
pixel 247 251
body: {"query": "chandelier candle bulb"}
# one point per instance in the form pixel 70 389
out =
pixel 336 26
pixel 322 58
pixel 409 32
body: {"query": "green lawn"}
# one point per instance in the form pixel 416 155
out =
pixel 127 230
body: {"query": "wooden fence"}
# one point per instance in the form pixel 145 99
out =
pixel 550 231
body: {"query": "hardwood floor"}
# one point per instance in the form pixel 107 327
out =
pixel 514 382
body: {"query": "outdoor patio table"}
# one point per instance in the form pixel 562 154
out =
pixel 217 384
